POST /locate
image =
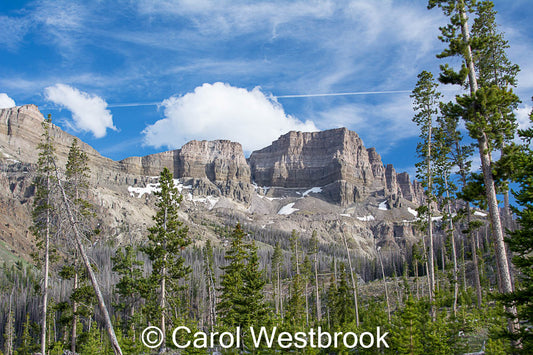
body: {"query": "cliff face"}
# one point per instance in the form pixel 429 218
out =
pixel 335 159
pixel 303 159
pixel 326 181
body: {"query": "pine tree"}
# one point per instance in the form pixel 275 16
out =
pixel 460 158
pixel 43 214
pixel 210 284
pixel 74 219
pixel 76 188
pixel 232 303
pixel 254 283
pixel 130 285
pixel 295 312
pixel 166 240
pixel 495 69
pixel 9 331
pixel 242 302
pixel 445 188
pixel 521 242
pixel 343 310
pixel 314 252
pixel 26 340
pixel 426 96
pixel 488 112
pixel 277 260
pixel 407 335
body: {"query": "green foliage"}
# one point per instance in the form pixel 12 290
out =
pixel 241 299
pixel 166 241
pixel 27 342
pixel 295 313
pixel 407 335
pixel 131 283
pixel 520 240
pixel 90 342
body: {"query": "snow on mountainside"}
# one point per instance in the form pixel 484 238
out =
pixel 325 181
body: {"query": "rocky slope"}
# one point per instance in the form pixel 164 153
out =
pixel 325 181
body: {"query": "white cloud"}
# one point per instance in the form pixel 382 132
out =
pixel 6 101
pixel 220 111
pixel 88 111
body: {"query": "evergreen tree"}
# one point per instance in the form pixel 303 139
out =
pixel 232 303
pixel 76 188
pixel 254 283
pixel 407 335
pixel 9 331
pixel 487 110
pixel 343 311
pixel 521 241
pixel 130 285
pixel 277 260
pixel 43 215
pixel 241 300
pixel 166 240
pixel 210 283
pixel 426 96
pixel 26 341
pixel 295 312
pixel 314 252
pixel 75 210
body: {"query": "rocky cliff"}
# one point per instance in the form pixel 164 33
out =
pixel 334 159
pixel 328 181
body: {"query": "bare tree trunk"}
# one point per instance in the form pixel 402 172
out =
pixel 354 284
pixel 92 276
pixel 431 261
pixel 317 291
pixel 306 302
pixel 454 250
pixel 46 267
pixel 504 273
pixel 416 280
pixel 385 284
pixel 74 330
pixel 473 246
pixel 163 290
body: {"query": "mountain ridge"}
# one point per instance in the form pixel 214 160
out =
pixel 327 180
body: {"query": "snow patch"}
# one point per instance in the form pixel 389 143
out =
pixel 315 190
pixel 412 211
pixel 383 206
pixel 143 190
pixel 480 214
pixel 210 201
pixel 345 214
pixel 366 218
pixel 288 209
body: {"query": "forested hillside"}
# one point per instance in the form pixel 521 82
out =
pixel 456 278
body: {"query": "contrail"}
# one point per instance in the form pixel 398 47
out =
pixel 134 104
pixel 343 94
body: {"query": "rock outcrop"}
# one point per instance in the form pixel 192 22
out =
pixel 328 181
pixel 334 159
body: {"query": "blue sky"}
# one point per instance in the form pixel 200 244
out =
pixel 134 77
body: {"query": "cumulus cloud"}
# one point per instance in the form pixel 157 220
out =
pixel 221 111
pixel 89 112
pixel 6 101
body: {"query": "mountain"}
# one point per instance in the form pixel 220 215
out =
pixel 325 181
